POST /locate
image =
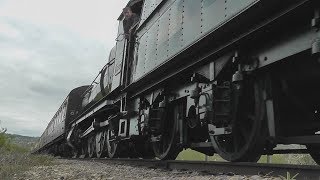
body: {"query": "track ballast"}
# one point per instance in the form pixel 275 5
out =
pixel 222 168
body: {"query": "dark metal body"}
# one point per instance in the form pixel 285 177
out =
pixel 200 74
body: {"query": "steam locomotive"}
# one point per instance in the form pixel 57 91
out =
pixel 227 77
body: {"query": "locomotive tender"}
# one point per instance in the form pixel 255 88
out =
pixel 232 77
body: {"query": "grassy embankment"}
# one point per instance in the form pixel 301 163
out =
pixel 15 159
pixel 277 158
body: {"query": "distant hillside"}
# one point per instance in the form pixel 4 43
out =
pixel 24 141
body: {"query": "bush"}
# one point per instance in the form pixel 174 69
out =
pixel 6 145
pixel 15 159
pixel 17 163
pixel 3 140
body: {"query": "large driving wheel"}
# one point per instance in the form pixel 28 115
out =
pixel 91 146
pixel 101 147
pixel 112 145
pixel 166 147
pixel 247 139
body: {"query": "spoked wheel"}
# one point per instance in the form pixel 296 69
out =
pixel 166 147
pixel 112 145
pixel 314 151
pixel 101 147
pixel 91 146
pixel 247 140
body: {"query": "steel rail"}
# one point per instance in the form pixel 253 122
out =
pixel 222 168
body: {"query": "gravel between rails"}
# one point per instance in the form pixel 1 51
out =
pixel 85 170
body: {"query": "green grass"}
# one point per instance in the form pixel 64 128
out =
pixel 15 159
pixel 277 158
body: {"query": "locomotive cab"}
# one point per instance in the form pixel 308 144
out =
pixel 125 47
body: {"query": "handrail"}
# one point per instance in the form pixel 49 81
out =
pixel 94 81
pixel 123 35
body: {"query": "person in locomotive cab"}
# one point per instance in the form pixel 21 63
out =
pixel 130 19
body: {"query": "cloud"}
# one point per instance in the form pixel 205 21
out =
pixel 27 127
pixel 93 19
pixel 8 31
pixel 47 48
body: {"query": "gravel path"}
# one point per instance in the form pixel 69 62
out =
pixel 83 170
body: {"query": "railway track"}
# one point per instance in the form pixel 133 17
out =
pixel 222 168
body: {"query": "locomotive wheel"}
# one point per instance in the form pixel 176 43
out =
pixel 247 140
pixel 91 146
pixel 166 147
pixel 314 151
pixel 100 144
pixel 112 145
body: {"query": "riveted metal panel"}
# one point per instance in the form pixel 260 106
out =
pixel 158 25
pixel 233 7
pixel 148 7
pixel 178 24
pixel 175 28
pixel 163 43
pixel 142 48
pixel 146 27
pixel 213 13
pixel 156 62
pixel 146 10
pixel 151 53
pixel 191 20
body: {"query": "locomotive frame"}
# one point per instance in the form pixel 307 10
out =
pixel 235 78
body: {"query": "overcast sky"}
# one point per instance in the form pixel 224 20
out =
pixel 47 48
